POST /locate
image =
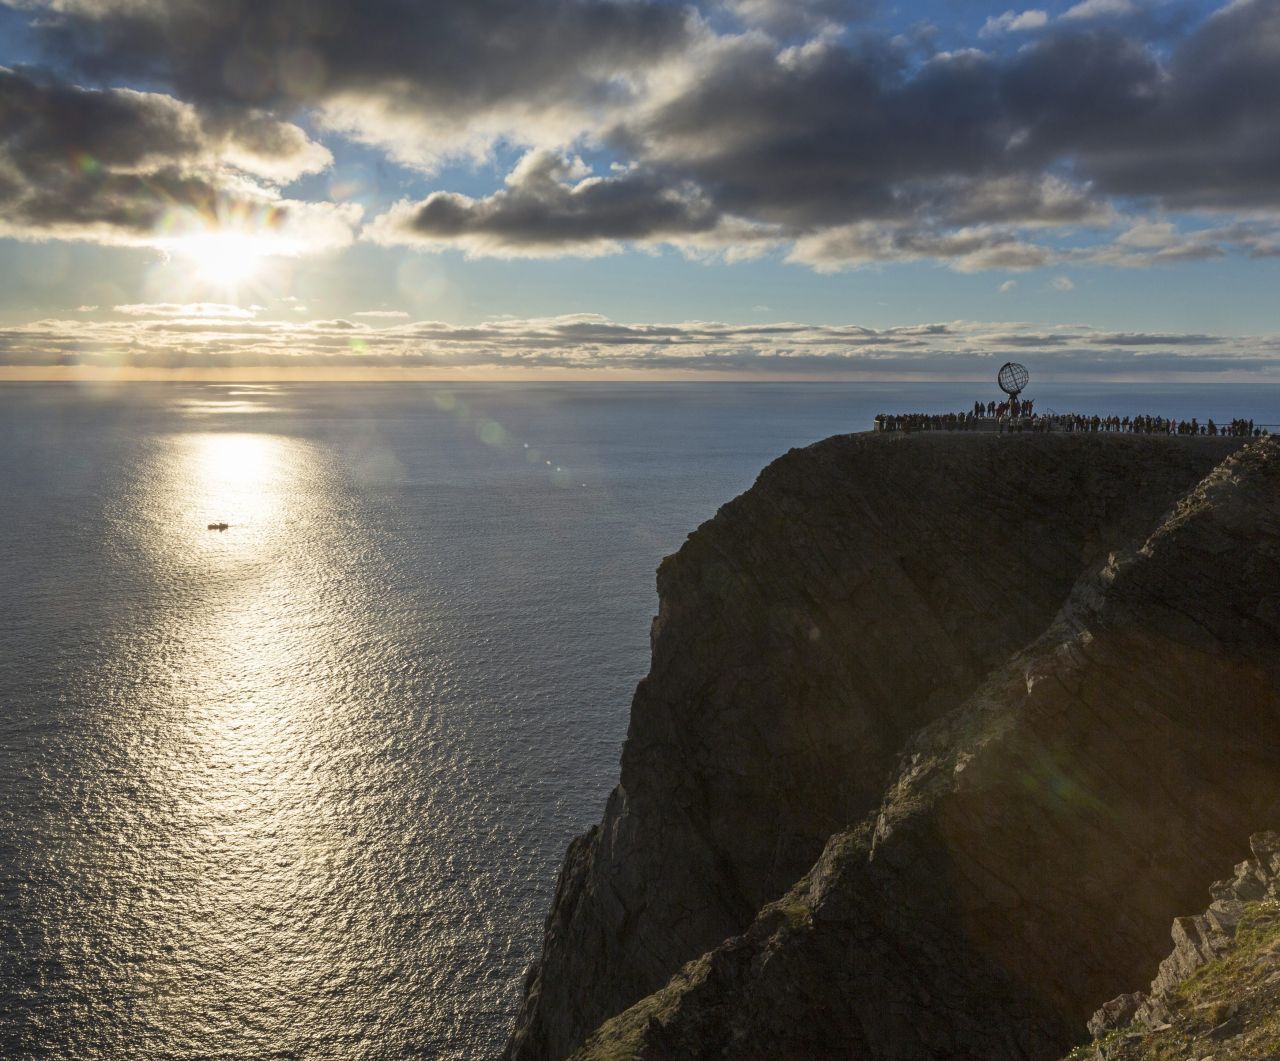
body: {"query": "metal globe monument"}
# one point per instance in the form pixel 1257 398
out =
pixel 1013 378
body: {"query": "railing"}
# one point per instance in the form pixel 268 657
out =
pixel 1071 423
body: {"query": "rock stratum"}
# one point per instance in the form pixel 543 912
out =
pixel 940 734
pixel 1217 994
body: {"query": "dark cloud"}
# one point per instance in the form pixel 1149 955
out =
pixel 1200 132
pixel 125 130
pixel 1077 91
pixel 420 76
pixel 41 119
pixel 823 134
pixel 847 149
pixel 552 204
pixel 834 134
pixel 814 139
pixel 113 165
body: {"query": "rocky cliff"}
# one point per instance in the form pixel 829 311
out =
pixel 1217 994
pixel 940 733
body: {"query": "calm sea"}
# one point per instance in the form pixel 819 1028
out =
pixel 301 787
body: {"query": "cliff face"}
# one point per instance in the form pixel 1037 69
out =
pixel 902 672
pixel 1218 992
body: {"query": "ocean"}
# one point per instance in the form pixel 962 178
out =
pixel 302 787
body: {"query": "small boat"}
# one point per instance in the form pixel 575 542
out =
pixel 219 526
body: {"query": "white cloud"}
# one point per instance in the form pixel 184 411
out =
pixel 384 314
pixel 967 250
pixel 1007 286
pixel 1147 235
pixel 795 16
pixel 218 310
pixel 588 342
pixel 1147 243
pixel 1014 22
pixel 1062 283
pixel 1088 9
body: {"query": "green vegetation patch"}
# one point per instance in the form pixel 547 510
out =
pixel 1228 1010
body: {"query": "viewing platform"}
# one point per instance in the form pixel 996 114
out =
pixel 1016 415
pixel 1068 423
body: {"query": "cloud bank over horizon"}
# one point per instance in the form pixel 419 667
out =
pixel 203 337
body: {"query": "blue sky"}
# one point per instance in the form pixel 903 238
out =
pixel 501 188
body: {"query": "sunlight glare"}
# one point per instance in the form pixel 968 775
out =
pixel 237 478
pixel 224 259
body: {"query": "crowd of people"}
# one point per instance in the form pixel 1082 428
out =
pixel 1015 416
pixel 926 422
pixel 1012 407
pixel 1157 425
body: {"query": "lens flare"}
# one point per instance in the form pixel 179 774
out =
pixel 222 259
pixel 223 251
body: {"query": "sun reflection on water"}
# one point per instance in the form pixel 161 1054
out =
pixel 238 876
pixel 239 479
pixel 288 789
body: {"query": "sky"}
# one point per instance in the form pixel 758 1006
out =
pixel 780 189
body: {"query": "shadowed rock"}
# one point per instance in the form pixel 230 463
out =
pixel 876 633
pixel 1199 940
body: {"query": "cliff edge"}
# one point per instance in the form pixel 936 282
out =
pixel 940 733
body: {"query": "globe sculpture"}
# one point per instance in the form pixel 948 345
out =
pixel 1013 378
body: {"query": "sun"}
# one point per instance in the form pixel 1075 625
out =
pixel 223 259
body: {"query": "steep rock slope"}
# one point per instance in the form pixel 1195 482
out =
pixel 1034 845
pixel 864 587
pixel 1218 993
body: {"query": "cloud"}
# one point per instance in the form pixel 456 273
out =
pixel 423 80
pixel 760 149
pixel 1014 22
pixel 1007 286
pixel 139 168
pixel 138 132
pixel 1149 242
pixel 1049 137
pixel 1090 9
pixel 186 309
pixel 787 17
pixel 966 250
pixel 552 205
pixel 587 342
pixel 1062 283
pixel 841 149
pixel 1195 132
pixel 382 314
